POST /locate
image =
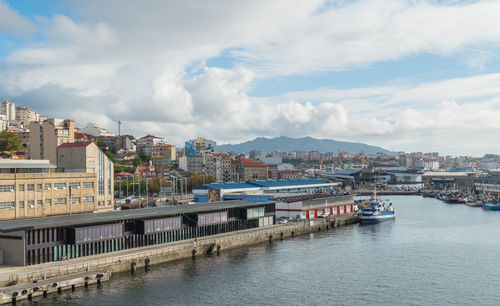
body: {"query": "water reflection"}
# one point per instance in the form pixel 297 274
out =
pixel 432 254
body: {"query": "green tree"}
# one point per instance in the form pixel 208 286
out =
pixel 137 161
pixel 111 156
pixel 10 142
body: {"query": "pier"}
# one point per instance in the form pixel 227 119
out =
pixel 369 192
pixel 42 288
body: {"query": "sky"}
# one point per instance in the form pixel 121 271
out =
pixel 405 75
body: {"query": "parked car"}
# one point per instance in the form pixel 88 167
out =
pixel 283 221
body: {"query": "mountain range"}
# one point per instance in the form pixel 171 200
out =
pixel 288 144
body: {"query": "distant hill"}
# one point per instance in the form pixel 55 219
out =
pixel 288 144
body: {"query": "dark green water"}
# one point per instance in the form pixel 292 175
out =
pixel 432 254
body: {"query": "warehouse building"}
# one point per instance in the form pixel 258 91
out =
pixel 462 181
pixel 35 241
pixel 314 206
pixel 260 190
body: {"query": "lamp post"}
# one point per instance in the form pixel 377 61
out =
pixel 160 190
pixel 133 186
pixel 174 187
pixel 70 199
pixel 121 181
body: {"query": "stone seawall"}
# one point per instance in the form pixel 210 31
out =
pixel 128 260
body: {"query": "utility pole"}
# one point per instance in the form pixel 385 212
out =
pixel 147 193
pixel 160 191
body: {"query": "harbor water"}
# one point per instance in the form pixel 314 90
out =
pixel 432 254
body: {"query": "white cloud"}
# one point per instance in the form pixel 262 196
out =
pixel 13 23
pixel 127 60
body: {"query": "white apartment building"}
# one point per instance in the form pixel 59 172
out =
pixel 8 109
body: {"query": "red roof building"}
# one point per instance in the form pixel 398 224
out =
pixel 248 170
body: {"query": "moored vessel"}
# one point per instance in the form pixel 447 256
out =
pixel 491 204
pixel 376 211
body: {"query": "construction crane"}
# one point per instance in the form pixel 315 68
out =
pixel 119 125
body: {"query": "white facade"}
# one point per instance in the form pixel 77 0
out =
pixel 26 115
pixel 311 209
pixel 94 130
pixel 145 143
pixel 488 186
pixel 4 124
pixel 8 109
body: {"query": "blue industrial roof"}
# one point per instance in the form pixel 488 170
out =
pixel 256 184
pixel 225 186
pixel 348 172
pixel 404 174
pixel 279 183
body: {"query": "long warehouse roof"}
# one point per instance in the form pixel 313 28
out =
pixel 143 213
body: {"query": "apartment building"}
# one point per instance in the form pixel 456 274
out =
pixel 32 188
pixel 199 146
pixel 144 144
pixel 162 155
pixel 25 115
pixel 219 166
pixel 47 135
pixel 86 157
pixel 8 109
pixel 248 170
pixel 193 164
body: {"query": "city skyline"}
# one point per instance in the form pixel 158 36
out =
pixel 407 76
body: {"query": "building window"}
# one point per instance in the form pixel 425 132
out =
pixel 48 201
pixel 88 199
pixel 6 205
pixel 31 204
pixel 60 201
pixel 75 201
pixel 21 187
pixel 109 202
pixel 88 185
pixel 58 186
pixel 48 186
pixel 31 187
pixel 100 203
pixel 38 187
pixel 74 185
pixel 21 204
pixel 38 203
pixel 6 188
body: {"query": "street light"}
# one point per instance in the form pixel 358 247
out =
pixel 147 193
pixel 70 187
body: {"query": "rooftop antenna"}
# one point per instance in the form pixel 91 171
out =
pixel 119 125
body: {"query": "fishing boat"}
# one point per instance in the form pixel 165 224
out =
pixel 376 211
pixel 491 204
pixel 477 203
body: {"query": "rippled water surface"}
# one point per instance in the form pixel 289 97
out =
pixel 432 254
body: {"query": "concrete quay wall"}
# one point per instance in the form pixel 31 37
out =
pixel 130 259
